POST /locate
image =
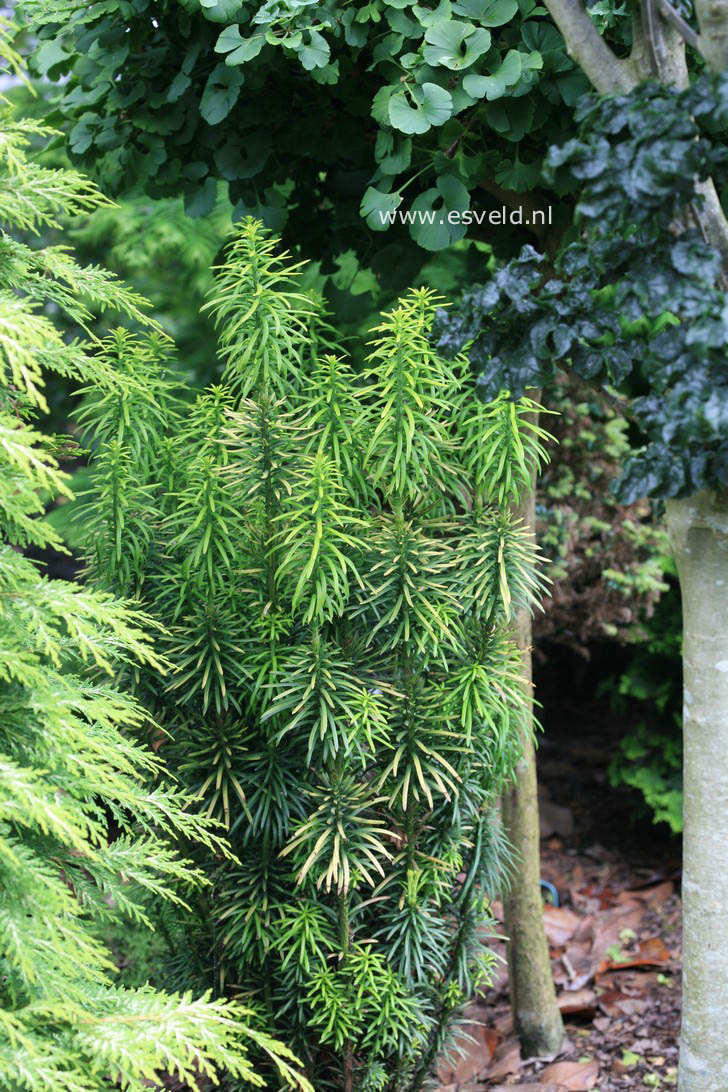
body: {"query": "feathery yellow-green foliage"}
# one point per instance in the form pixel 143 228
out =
pixel 89 829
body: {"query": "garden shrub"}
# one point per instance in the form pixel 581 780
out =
pixel 333 558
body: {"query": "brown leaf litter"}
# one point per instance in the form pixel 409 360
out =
pixel 615 957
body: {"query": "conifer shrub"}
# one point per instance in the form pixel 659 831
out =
pixel 333 561
pixel 90 832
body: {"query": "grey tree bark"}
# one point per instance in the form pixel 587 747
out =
pixel 536 1016
pixel 713 40
pixel 698 529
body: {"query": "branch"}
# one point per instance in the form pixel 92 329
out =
pixel 653 35
pixel 584 45
pixel 686 32
pixel 664 45
pixel 712 219
pixel 640 56
pixel 608 73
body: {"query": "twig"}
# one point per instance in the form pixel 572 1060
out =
pixel 668 12
pixel 601 66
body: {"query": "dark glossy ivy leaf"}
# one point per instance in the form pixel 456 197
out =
pixel 619 364
pixel 707 333
pixel 715 411
pixel 690 255
pixel 563 337
pixel 637 480
pixel 717 470
pixel 515 371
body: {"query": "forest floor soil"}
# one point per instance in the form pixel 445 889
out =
pixel 614 940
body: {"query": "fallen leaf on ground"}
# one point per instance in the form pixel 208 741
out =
pixel 524 1088
pixel 507 1059
pixel 654 950
pixel 649 953
pixel 574 1076
pixel 614 1003
pixel 503 1021
pixel 585 930
pixel 608 1001
pixel 575 966
pixel 653 896
pixel 644 1046
pixel 635 983
pixel 577 1001
pixel 560 924
pixel 479 1045
pixel 612 923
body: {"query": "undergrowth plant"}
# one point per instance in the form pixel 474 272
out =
pixel 334 562
pixel 647 696
pixel 608 561
pixel 90 834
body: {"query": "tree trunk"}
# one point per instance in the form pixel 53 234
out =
pixel 536 1016
pixel 698 529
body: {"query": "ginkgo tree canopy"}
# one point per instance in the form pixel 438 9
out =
pixel 443 103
